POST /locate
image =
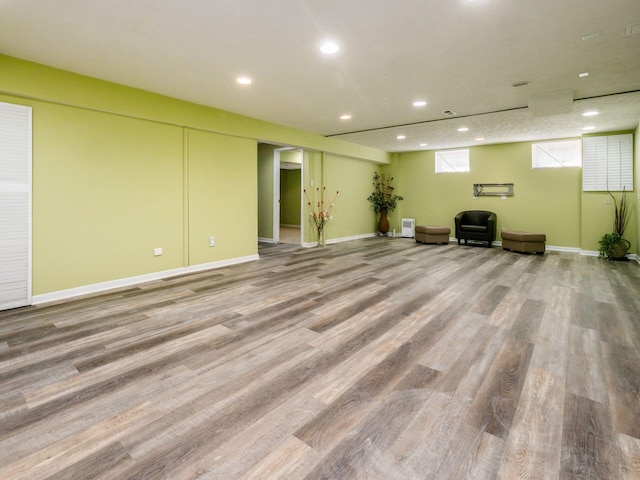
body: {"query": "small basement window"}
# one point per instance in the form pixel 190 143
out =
pixel 452 161
pixel 556 154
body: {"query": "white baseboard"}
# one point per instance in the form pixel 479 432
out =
pixel 129 281
pixel 593 253
pixel 555 248
pixel 340 239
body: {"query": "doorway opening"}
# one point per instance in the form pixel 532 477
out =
pixel 288 198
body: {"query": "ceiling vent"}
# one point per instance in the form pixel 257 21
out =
pixel 632 29
pixel 449 113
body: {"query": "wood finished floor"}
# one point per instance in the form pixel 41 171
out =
pixel 372 359
pixel 290 235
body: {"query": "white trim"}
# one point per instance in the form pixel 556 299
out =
pixel 341 239
pixel 290 226
pixel 593 253
pixel 30 214
pixel 555 248
pixel 266 240
pixel 275 214
pixel 129 281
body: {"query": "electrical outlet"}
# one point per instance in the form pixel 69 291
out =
pixel 212 241
pixel 607 201
pixel 157 251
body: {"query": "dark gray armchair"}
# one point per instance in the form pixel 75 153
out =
pixel 478 225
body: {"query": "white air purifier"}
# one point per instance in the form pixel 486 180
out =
pixel 408 227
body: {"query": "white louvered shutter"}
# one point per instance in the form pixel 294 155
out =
pixel 15 206
pixel 607 163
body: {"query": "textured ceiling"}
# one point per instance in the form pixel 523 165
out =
pixel 459 55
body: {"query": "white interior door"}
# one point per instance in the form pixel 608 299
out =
pixel 15 206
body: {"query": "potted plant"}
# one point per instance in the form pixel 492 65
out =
pixel 612 245
pixel 383 199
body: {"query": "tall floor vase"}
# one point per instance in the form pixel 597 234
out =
pixel 383 223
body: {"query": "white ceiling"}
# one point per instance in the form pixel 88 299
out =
pixel 459 55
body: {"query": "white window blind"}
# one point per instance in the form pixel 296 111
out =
pixel 607 163
pixel 557 154
pixel 450 161
pixel 15 206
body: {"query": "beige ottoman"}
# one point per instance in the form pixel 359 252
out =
pixel 432 234
pixel 524 242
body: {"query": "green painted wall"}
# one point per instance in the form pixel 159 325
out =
pixel 265 190
pixel 352 214
pixel 107 190
pixel 545 200
pixel 291 156
pixel 223 199
pixel 290 197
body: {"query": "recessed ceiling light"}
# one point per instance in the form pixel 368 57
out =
pixel 423 144
pixel 419 103
pixel 583 74
pixel 590 127
pixel 243 80
pixel 329 48
pixel 463 129
pixel 401 137
pixel 346 116
pixel 589 36
pixel 590 113
pixel 479 139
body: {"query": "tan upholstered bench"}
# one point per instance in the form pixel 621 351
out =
pixel 432 234
pixel 524 242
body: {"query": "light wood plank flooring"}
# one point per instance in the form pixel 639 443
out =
pixel 290 235
pixel 373 359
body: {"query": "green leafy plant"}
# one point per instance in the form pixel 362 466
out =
pixel 609 244
pixel 612 245
pixel 383 198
